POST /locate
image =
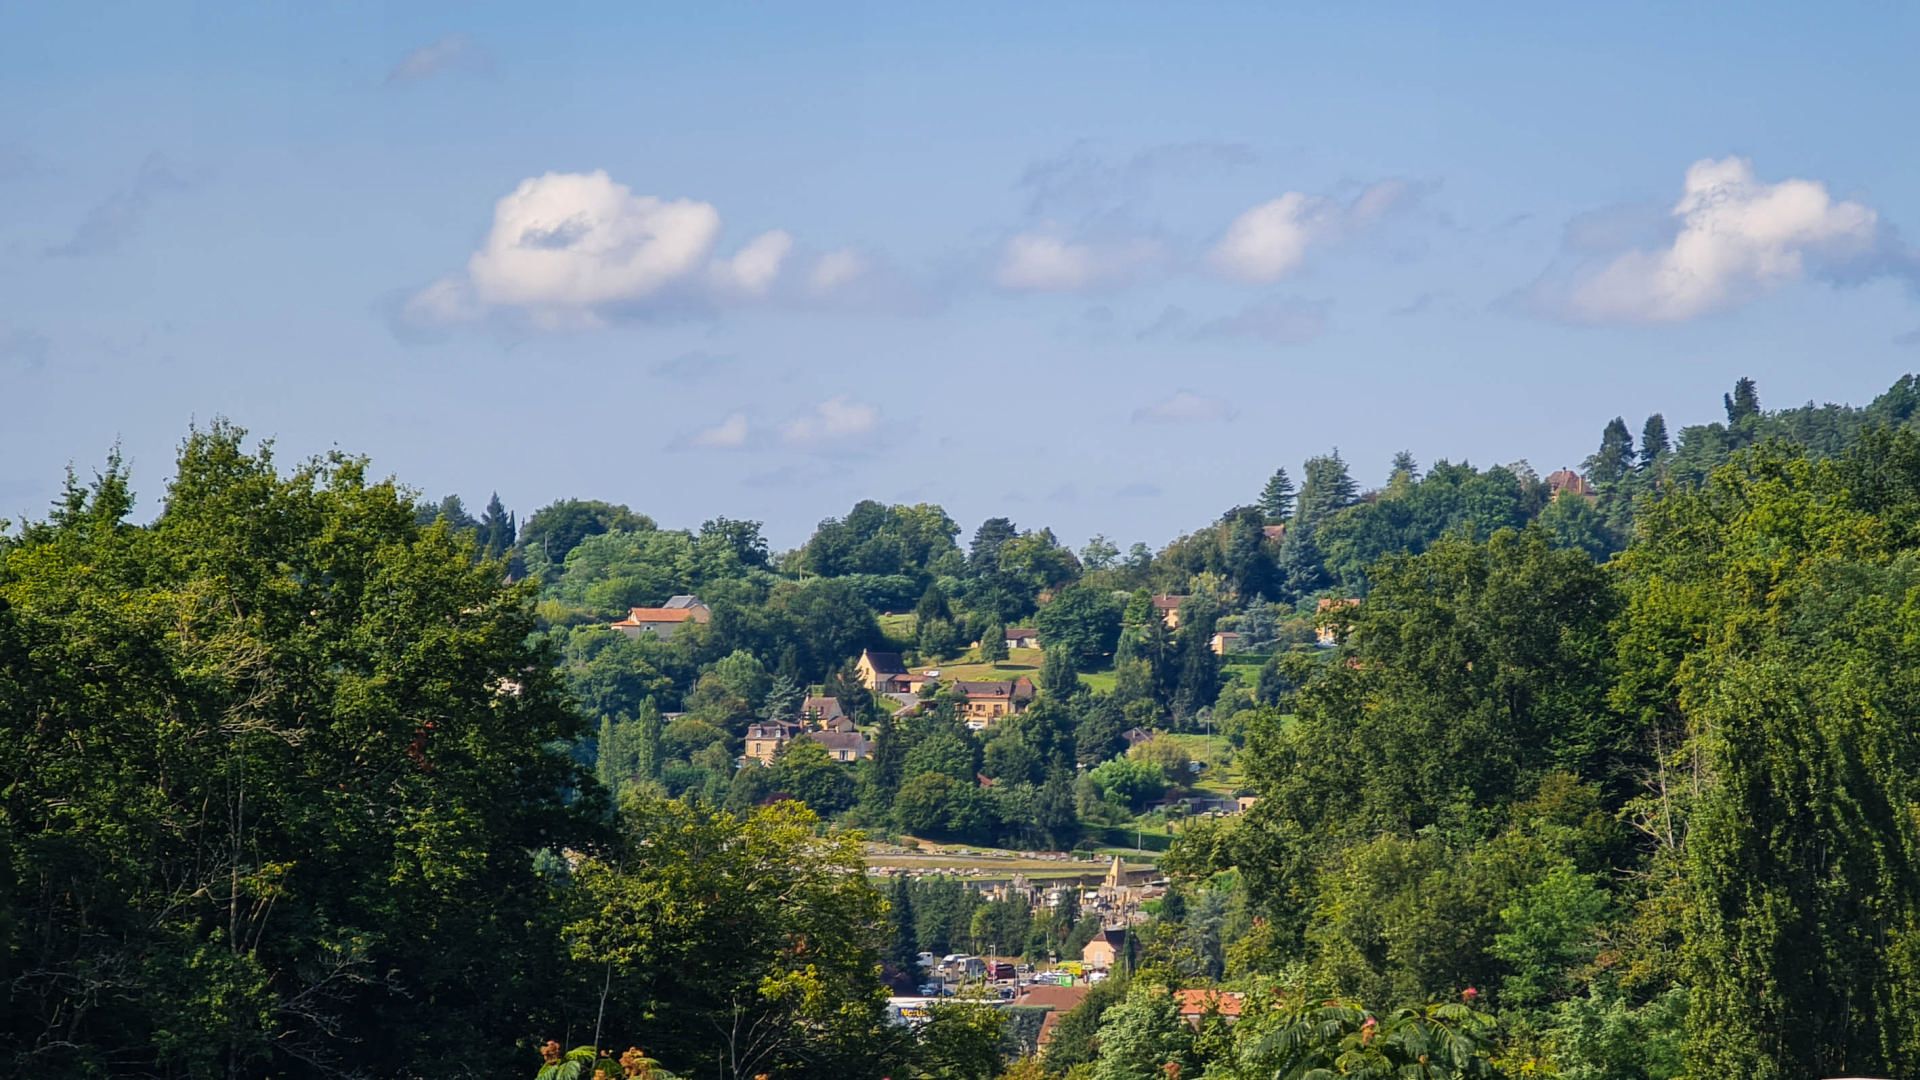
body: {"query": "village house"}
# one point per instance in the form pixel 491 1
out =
pixel 986 702
pixel 1057 1000
pixel 766 738
pixel 1136 735
pixel 822 710
pixel 845 746
pixel 1107 949
pixel 1169 609
pixel 666 620
pixel 1196 1005
pixel 1224 642
pixel 882 672
pixel 1022 637
pixel 1564 481
pixel 1331 618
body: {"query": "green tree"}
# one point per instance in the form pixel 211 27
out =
pixel 993 642
pixel 1326 487
pixel 1082 623
pixel 1142 1035
pixel 789 909
pixel 272 770
pixel 1276 499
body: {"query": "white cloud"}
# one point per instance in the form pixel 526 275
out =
pixel 753 268
pixel 580 240
pixel 1737 238
pixel 452 52
pixel 1271 240
pixel 570 249
pixel 836 269
pixel 1184 407
pixel 835 421
pixel 728 434
pixel 1046 262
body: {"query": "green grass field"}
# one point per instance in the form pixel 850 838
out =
pixel 1018 662
pixel 901 630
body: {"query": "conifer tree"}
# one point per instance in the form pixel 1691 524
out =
pixel 1276 499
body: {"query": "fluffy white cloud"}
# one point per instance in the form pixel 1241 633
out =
pixel 754 267
pixel 1271 240
pixel 728 434
pixel 580 240
pixel 835 421
pixel 1184 407
pixel 1045 262
pixel 1737 237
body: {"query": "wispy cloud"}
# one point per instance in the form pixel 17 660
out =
pixel 27 349
pixel 115 220
pixel 1184 407
pixel 692 366
pixel 834 423
pixel 1271 240
pixel 1049 262
pixel 1084 180
pixel 455 52
pixel 728 434
pixel 1282 320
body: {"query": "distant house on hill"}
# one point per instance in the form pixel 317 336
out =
pixel 1331 618
pixel 1196 1005
pixel 1275 533
pixel 986 702
pixel 842 745
pixel 821 709
pixel 1108 948
pixel 882 672
pixel 1136 735
pixel 1565 481
pixel 1169 608
pixel 1224 642
pixel 766 738
pixel 666 620
pixel 1022 637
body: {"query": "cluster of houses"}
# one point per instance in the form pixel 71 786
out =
pixel 982 703
pixel 822 720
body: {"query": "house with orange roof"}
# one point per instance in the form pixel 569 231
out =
pixel 666 620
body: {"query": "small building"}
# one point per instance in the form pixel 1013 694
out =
pixel 1169 608
pixel 1136 735
pixel 1331 618
pixel 666 620
pixel 1275 533
pixel 1246 802
pixel 822 710
pixel 1224 642
pixel 1108 949
pixel 1566 481
pixel 985 702
pixel 882 672
pixel 766 738
pixel 1022 637
pixel 1196 1005
pixel 845 746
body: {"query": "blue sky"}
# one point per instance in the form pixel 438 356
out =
pixel 1094 266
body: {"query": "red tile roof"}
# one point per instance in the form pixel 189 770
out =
pixel 642 616
pixel 1202 1002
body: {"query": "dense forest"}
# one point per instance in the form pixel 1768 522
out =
pixel 1611 775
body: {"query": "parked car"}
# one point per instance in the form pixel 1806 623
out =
pixel 1000 970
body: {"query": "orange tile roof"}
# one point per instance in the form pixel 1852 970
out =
pixel 1201 1002
pixel 642 615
